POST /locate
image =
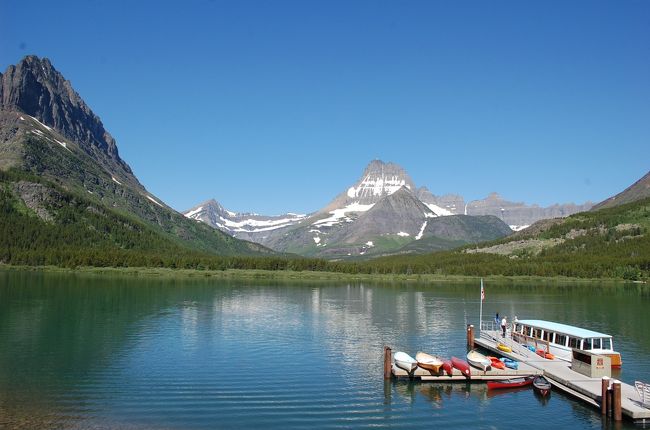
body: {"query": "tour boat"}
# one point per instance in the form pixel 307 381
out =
pixel 541 385
pixel 461 365
pixel 428 362
pixel 496 363
pixel 405 361
pixel 510 383
pixel 478 360
pixel 563 338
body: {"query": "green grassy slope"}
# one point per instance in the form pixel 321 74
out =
pixel 610 243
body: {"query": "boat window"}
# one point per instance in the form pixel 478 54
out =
pixel 574 343
pixel 537 333
pixel 607 344
pixel 560 339
pixel 586 344
pixel 548 335
pixel 596 343
pixel 529 331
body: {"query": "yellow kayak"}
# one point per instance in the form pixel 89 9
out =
pixel 504 348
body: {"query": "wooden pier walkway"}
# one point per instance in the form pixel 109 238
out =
pixel 561 376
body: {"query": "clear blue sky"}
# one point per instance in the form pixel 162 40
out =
pixel 273 106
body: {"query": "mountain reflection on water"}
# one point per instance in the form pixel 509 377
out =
pixel 114 351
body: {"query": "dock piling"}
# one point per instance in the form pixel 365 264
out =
pixel 603 395
pixel 470 336
pixel 616 400
pixel 387 362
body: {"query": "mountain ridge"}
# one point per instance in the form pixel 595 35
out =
pixel 47 130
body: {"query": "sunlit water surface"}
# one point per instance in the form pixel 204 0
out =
pixel 117 352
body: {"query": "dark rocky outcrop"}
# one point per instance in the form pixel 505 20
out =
pixel 36 88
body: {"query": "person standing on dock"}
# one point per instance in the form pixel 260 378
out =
pixel 504 323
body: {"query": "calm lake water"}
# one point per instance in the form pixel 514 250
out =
pixel 83 351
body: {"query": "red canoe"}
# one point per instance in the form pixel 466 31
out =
pixel 461 365
pixel 447 367
pixel 510 383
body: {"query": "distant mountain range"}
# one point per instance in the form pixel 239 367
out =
pixel 62 179
pixel 47 132
pixel 383 212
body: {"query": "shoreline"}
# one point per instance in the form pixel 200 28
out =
pixel 288 275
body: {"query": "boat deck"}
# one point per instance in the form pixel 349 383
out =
pixel 561 376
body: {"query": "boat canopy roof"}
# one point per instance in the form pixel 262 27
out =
pixel 564 329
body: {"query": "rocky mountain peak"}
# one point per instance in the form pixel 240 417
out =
pixel 378 180
pixel 36 88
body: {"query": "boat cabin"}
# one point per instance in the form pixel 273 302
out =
pixel 562 339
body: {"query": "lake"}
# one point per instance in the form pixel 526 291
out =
pixel 89 351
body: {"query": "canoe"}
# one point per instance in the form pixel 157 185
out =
pixel 541 385
pixel 496 363
pixel 503 347
pixel 478 360
pixel 428 362
pixel 461 365
pixel 545 354
pixel 405 361
pixel 448 367
pixel 510 383
pixel 510 364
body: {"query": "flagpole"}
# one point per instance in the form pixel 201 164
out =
pixel 480 317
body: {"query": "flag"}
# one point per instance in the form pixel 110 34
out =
pixel 482 291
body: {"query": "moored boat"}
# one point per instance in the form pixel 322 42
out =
pixel 405 361
pixel 510 364
pixel 448 367
pixel 545 354
pixel 510 383
pixel 496 363
pixel 541 385
pixel 461 365
pixel 479 360
pixel 428 361
pixel 504 348
pixel 562 339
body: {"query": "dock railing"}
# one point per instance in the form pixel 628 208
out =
pixel 490 330
pixel 643 390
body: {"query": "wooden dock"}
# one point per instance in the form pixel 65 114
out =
pixel 477 375
pixel 561 376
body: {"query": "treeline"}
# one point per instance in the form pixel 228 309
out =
pixel 72 231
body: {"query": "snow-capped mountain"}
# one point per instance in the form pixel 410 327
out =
pixel 247 226
pixel 380 212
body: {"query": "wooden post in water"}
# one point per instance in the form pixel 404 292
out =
pixel 470 336
pixel 616 400
pixel 387 363
pixel 603 394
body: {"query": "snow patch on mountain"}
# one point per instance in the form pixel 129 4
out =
pixel 154 200
pixel 419 235
pixel 438 210
pixel 339 215
pixel 518 227
pixel 193 213
pixel 370 186
pixel 403 234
